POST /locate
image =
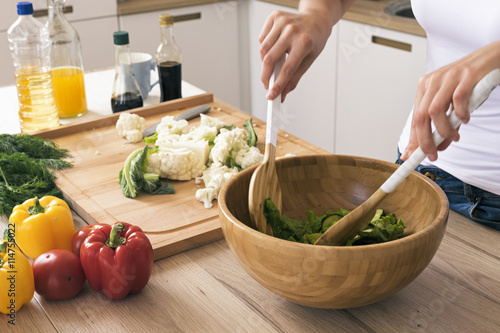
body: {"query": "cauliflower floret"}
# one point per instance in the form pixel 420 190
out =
pixel 228 143
pixel 207 121
pixel 131 126
pixel 248 156
pixel 169 125
pixel 134 136
pixel 214 178
pixel 206 195
pixel 176 164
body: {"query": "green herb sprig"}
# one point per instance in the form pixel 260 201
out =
pixel 26 169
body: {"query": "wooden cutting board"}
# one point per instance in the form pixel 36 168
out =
pixel 173 223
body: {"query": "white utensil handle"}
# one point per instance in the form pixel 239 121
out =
pixel 480 93
pixel 274 107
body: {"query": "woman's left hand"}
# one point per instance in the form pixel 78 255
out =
pixel 448 87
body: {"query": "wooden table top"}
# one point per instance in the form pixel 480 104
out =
pixel 206 290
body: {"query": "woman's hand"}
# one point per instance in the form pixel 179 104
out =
pixel 302 36
pixel 448 87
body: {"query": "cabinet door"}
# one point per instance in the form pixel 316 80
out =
pixel 309 110
pixel 96 37
pixel 208 38
pixel 378 70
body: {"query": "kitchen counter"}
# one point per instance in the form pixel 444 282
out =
pixel 362 11
pixel 206 290
pixel 371 12
pixel 139 6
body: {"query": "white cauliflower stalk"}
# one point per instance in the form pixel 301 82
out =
pixel 176 164
pixel 131 126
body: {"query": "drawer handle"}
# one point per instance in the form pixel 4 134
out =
pixel 45 12
pixel 391 43
pixel 187 17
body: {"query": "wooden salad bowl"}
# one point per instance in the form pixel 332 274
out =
pixel 336 277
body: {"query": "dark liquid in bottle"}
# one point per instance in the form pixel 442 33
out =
pixel 126 101
pixel 170 76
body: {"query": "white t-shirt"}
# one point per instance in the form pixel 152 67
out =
pixel 454 29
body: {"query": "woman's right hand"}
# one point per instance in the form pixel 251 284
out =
pixel 302 36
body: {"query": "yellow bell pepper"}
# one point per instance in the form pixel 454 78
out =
pixel 17 284
pixel 42 225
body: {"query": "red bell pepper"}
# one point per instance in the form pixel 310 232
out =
pixel 117 260
pixel 80 236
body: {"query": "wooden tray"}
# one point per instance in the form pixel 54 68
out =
pixel 174 223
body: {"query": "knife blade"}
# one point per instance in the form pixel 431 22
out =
pixel 187 115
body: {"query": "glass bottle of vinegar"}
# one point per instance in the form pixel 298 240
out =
pixel 66 63
pixel 126 92
pixel 169 61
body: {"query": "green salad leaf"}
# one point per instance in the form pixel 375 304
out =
pixel 382 228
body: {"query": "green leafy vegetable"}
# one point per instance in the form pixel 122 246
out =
pixel 229 128
pixel 151 139
pixel 382 228
pixel 252 136
pixel 26 169
pixel 133 176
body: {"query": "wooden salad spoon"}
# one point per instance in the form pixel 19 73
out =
pixel 348 226
pixel 264 182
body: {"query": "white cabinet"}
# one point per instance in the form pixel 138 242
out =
pixel 96 37
pixel 309 110
pixel 208 38
pixel 95 28
pixel 378 70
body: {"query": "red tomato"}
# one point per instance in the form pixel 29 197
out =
pixel 80 235
pixel 58 274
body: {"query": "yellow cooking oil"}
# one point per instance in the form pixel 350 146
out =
pixel 37 107
pixel 69 91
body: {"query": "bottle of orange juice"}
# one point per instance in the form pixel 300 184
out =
pixel 66 63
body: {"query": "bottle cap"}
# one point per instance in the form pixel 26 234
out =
pixel 120 37
pixel 24 8
pixel 166 19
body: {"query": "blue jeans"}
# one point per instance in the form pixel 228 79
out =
pixel 479 205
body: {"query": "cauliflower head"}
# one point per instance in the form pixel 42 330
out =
pixel 131 126
pixel 227 144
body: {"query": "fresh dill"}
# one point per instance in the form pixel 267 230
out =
pixel 26 169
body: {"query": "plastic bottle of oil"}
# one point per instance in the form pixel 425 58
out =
pixel 66 63
pixel 29 44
